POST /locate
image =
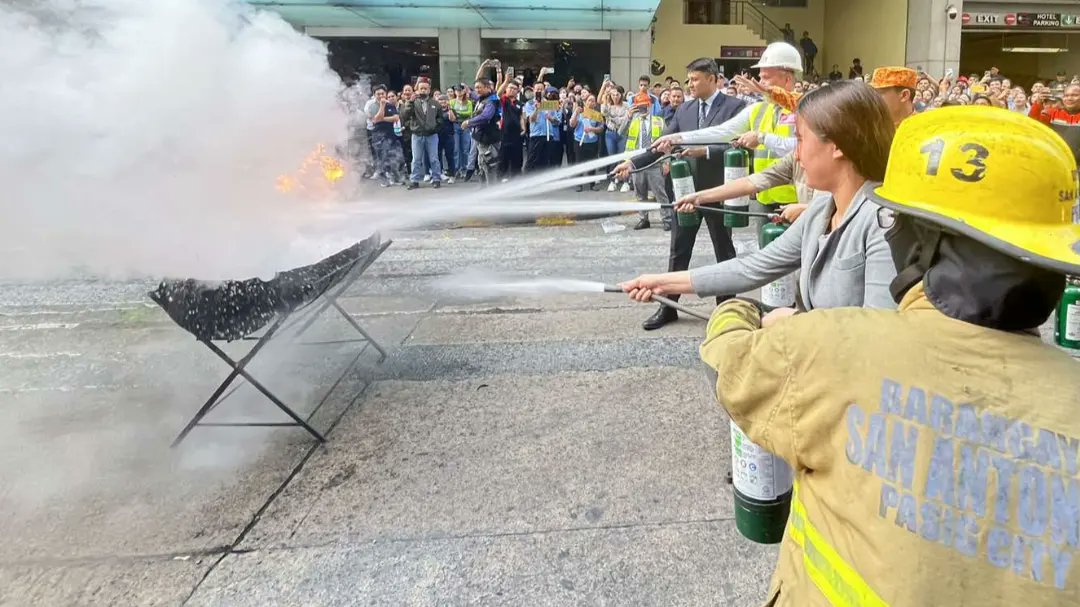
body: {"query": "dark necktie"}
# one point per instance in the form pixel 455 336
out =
pixel 701 113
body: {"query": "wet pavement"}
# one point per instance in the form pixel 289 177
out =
pixel 532 450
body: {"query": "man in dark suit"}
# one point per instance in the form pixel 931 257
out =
pixel 709 107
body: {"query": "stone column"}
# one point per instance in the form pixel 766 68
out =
pixel 933 39
pixel 459 56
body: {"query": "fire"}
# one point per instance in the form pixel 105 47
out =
pixel 329 167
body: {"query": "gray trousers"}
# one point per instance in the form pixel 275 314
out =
pixel 652 180
pixel 487 162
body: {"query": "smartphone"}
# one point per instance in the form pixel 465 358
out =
pixel 607 77
pixel 549 70
pixel 948 73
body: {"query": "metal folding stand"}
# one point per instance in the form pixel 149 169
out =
pixel 308 315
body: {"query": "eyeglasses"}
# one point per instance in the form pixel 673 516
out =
pixel 886 218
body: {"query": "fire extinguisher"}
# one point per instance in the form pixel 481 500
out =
pixel 763 484
pixel 1067 325
pixel 736 166
pixel 780 293
pixel 682 185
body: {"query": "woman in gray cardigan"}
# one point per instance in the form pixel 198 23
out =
pixel 844 133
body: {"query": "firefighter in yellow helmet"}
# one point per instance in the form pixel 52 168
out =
pixel 936 447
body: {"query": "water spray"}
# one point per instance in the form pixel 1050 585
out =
pixel 480 284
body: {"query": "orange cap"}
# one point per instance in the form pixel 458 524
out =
pixel 642 99
pixel 885 77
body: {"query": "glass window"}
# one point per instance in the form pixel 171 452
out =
pixel 706 12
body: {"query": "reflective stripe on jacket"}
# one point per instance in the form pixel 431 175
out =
pixel 633 134
pixel 770 118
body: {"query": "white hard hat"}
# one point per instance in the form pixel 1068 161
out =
pixel 781 55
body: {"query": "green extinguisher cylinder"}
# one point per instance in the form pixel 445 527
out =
pixel 780 293
pixel 770 232
pixel 763 487
pixel 736 166
pixel 1067 325
pixel 682 185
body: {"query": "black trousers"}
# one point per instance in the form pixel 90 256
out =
pixel 555 152
pixel 538 154
pixel 446 149
pixel 683 239
pixel 510 157
pixel 586 152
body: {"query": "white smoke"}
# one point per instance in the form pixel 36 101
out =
pixel 145 137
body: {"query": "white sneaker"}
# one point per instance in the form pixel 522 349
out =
pixel 449 180
pixel 611 187
pixel 625 188
pixel 505 180
pixel 427 178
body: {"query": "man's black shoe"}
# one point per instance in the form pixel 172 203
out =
pixel 643 224
pixel 667 226
pixel 436 184
pixel 662 317
pixel 412 185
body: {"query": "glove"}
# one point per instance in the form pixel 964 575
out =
pixel 734 315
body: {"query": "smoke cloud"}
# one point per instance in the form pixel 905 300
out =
pixel 145 138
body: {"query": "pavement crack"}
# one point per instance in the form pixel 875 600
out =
pixel 115 558
pixel 449 537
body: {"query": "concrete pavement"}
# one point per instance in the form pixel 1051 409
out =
pixel 539 450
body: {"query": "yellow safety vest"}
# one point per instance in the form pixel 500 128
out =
pixel 766 118
pixel 634 132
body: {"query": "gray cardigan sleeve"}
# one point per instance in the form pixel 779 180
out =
pixel 781 257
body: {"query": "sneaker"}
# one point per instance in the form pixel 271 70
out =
pixel 612 187
pixel 412 185
pixel 450 180
pixel 436 185
pixel 505 180
pixel 625 188
pixel 427 178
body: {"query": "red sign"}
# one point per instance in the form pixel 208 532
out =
pixel 966 19
pixel 1010 19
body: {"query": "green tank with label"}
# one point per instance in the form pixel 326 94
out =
pixel 682 185
pixel 736 166
pixel 1067 325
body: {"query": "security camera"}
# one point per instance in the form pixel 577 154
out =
pixel 952 11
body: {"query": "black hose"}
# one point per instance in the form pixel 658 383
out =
pixel 705 209
pixel 665 301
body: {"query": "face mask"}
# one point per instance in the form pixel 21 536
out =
pixel 913 246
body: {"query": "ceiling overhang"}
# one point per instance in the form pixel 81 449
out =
pixel 485 14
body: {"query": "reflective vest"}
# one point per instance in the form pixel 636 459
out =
pixel 633 134
pixel 771 118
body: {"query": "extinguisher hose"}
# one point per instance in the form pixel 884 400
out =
pixel 705 209
pixel 652 164
pixel 665 301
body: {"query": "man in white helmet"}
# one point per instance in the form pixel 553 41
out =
pixel 758 124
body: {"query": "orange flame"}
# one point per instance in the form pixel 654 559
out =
pixel 330 168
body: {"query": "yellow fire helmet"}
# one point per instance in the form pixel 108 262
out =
pixel 996 176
